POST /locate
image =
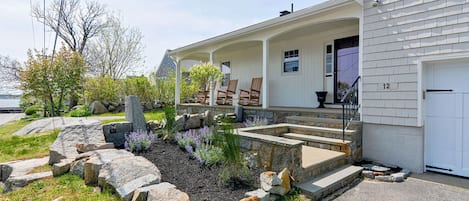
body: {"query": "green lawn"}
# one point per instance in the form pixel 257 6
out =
pixel 23 147
pixel 153 115
pixel 68 186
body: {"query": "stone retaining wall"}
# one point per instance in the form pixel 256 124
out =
pixel 273 153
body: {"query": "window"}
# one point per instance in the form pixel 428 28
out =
pixel 226 71
pixel 291 61
pixel 328 61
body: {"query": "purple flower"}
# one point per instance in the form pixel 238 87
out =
pixel 139 141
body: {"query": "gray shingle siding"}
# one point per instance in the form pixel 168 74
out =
pixel 396 35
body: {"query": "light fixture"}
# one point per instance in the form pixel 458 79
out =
pixel 375 3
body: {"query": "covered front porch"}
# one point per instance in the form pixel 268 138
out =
pixel 296 55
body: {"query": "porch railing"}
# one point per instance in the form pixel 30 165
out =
pixel 350 106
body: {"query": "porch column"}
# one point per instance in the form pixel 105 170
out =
pixel 265 77
pixel 177 94
pixel 211 100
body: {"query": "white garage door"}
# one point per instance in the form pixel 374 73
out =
pixel 447 117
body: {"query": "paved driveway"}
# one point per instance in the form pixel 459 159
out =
pixel 6 117
pixel 410 190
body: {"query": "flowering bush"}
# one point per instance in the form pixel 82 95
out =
pixel 199 143
pixel 139 141
pixel 209 155
pixel 256 121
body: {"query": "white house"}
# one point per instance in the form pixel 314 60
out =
pixel 411 56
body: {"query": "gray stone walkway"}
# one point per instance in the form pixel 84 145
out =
pixel 52 123
pixel 410 190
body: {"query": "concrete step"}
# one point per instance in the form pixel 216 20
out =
pixel 328 183
pixel 321 142
pixel 322 122
pixel 334 133
pixel 316 161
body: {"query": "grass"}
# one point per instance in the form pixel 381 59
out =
pixel 110 114
pixel 43 168
pixel 29 146
pixel 153 115
pixel 23 147
pixel 68 186
pixel 11 127
pixel 294 195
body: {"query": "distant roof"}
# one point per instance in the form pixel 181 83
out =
pixel 167 65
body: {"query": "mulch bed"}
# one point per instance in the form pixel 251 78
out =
pixel 200 183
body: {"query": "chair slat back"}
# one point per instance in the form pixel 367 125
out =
pixel 232 85
pixel 256 83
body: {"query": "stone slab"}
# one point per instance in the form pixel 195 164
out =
pixel 117 173
pixel 81 148
pixel 20 167
pixel 62 167
pixel 127 190
pixel 134 113
pixel 100 157
pixel 141 194
pixel 14 183
pixel 65 144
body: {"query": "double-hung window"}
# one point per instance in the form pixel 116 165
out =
pixel 291 61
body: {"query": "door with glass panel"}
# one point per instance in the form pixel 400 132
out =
pixel 345 65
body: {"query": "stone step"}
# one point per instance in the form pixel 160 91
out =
pixel 14 183
pixel 316 161
pixel 334 133
pixel 328 183
pixel 322 122
pixel 321 142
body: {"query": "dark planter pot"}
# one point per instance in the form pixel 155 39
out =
pixel 321 98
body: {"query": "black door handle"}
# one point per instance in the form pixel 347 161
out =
pixel 439 90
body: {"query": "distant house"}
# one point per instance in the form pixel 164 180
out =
pixel 168 65
pixel 409 59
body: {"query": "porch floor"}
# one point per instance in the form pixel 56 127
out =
pixel 312 156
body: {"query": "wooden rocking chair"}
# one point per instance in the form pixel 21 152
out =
pixel 203 94
pixel 226 97
pixel 251 97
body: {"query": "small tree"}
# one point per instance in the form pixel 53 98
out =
pixel 202 74
pixel 52 80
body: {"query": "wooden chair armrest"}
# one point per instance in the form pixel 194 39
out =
pixel 242 90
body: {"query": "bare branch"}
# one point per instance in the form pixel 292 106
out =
pixel 117 50
pixel 80 21
pixel 9 69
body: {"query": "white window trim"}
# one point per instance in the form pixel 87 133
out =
pixel 282 58
pixel 325 59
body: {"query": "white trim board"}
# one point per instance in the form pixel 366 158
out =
pixel 420 64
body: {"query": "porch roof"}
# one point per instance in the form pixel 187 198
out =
pixel 272 23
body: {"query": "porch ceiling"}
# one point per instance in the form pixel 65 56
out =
pixel 316 28
pixel 239 45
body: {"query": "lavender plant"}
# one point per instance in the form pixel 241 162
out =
pixel 139 141
pixel 256 121
pixel 199 143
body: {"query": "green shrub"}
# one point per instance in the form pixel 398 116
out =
pixel 80 112
pixel 31 110
pixel 235 170
pixel 170 116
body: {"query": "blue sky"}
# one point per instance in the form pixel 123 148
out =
pixel 164 24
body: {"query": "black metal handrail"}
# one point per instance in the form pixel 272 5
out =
pixel 350 106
